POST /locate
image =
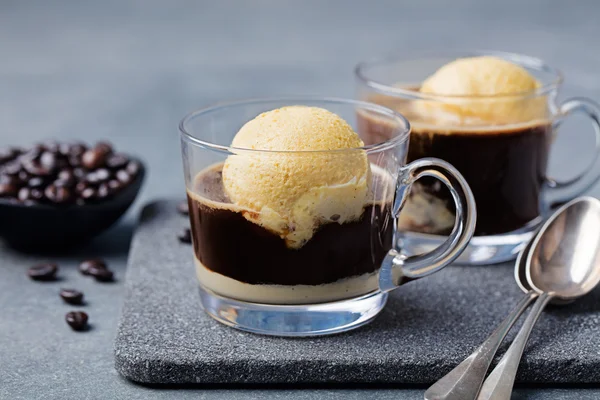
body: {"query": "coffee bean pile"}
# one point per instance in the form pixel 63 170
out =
pixel 64 173
pixel 96 268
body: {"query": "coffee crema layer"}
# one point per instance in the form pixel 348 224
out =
pixel 229 245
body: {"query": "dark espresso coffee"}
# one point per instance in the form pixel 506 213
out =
pixel 505 166
pixel 231 250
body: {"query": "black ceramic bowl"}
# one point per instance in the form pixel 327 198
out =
pixel 47 228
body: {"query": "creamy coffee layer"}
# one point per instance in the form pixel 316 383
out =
pixel 286 294
pixel 229 244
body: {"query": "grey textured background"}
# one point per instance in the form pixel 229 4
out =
pixel 428 327
pixel 129 70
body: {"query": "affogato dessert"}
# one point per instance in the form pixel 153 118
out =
pixel 297 213
pixel 483 116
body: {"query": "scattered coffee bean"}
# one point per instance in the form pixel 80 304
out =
pixel 183 208
pixel 43 272
pixel 102 274
pixel 77 320
pixel 85 266
pixel 71 296
pixel 185 236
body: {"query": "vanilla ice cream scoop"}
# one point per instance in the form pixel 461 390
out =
pixel 493 90
pixel 294 185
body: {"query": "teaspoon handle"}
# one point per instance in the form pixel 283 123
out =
pixel 499 384
pixel 464 381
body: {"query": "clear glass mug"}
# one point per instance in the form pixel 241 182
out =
pixel 501 148
pixel 325 273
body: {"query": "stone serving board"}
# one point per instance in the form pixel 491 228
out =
pixel 427 327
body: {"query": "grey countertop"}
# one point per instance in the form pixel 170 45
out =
pixel 129 70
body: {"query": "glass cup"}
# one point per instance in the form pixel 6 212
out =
pixel 319 255
pixel 500 144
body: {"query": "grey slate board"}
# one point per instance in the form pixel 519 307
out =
pixel 427 327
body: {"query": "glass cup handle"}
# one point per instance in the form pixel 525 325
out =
pixel 397 269
pixel 562 192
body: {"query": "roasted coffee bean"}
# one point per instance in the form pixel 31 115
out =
pixel 12 168
pixel 72 148
pixel 104 146
pixel 133 168
pixel 77 148
pixel 8 190
pixel 58 195
pixel 123 176
pixel 23 176
pixel 65 178
pixel 35 182
pixel 74 161
pixel 114 185
pixel 103 191
pixel 65 149
pixel 8 154
pixel 36 168
pixel 77 320
pixel 88 193
pixel 80 187
pixel 185 236
pixel 117 161
pixel 43 272
pixel 8 179
pixel 71 296
pixel 101 274
pixel 102 174
pixel 94 158
pixel 183 208
pixel 48 160
pixel 92 178
pixel 24 194
pixel 79 173
pixel 36 194
pixel 96 263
